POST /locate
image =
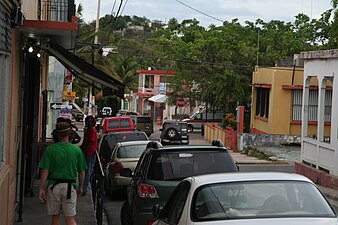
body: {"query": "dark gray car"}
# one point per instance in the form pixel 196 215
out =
pixel 174 132
pixel 158 172
pixel 145 124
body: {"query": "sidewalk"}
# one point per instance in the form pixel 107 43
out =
pixel 34 212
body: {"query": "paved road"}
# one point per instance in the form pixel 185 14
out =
pixel 113 206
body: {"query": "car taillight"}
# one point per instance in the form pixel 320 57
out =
pixel 147 191
pixel 117 167
pixel 150 222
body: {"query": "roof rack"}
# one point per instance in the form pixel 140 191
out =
pixel 217 143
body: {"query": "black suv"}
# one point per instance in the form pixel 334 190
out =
pixel 174 132
pixel 160 169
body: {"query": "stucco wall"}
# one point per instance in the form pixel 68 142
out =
pixel 268 139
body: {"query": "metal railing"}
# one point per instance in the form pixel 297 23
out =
pixel 56 10
pixel 97 184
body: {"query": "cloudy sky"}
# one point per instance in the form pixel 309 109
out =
pixel 220 10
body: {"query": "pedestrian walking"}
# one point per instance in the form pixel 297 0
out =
pixel 89 146
pixel 62 164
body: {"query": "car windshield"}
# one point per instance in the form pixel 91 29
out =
pixel 259 199
pixel 131 151
pixel 110 140
pixel 179 165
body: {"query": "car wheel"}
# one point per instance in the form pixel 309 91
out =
pixel 171 133
pixel 190 128
pixel 125 215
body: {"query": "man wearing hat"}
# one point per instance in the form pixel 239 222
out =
pixel 62 164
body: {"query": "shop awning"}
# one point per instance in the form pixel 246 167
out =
pixel 158 98
pixel 84 70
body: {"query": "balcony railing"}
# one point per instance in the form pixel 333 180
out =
pixel 56 10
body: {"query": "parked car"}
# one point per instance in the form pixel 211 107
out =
pixel 158 172
pixel 78 115
pixel 108 141
pixel 197 120
pixel 145 124
pixel 124 155
pixel 260 198
pixel 121 112
pixel 116 124
pixel 174 132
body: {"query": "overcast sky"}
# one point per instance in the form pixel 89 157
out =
pixel 224 10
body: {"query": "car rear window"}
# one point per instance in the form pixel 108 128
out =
pixel 113 124
pixel 144 120
pixel 110 140
pixel 131 151
pixel 179 165
pixel 125 123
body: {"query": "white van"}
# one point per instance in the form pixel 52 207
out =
pixel 200 117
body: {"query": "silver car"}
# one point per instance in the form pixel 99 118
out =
pixel 246 198
pixel 124 155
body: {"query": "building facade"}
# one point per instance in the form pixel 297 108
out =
pixel 319 147
pixel 32 32
pixel 276 106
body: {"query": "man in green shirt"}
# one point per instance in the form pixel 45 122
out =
pixel 62 164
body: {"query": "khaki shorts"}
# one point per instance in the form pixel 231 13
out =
pixel 57 201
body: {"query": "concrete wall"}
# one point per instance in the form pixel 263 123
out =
pixel 268 139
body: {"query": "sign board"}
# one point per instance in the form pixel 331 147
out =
pixel 180 102
pixel 106 111
pixel 69 95
pixel 55 105
pixel 66 111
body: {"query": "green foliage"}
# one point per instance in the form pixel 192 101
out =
pixel 213 64
pixel 229 121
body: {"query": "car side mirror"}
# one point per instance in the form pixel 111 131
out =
pixel 157 210
pixel 126 172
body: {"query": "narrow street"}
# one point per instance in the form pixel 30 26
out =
pixel 112 206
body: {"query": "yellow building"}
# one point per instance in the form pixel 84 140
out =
pixel 276 107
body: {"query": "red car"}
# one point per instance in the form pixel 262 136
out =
pixel 117 124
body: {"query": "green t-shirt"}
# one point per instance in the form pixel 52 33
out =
pixel 63 160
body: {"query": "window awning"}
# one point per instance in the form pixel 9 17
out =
pixel 84 70
pixel 158 98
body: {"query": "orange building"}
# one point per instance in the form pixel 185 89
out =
pixel 276 108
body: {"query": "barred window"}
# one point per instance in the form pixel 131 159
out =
pixel 297 97
pixel 262 103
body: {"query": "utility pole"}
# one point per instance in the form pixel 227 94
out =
pixel 91 100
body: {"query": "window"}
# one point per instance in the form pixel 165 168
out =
pixel 125 123
pixel 149 81
pixel 131 151
pixel 259 199
pixel 297 97
pixel 172 211
pixel 262 102
pixel 113 124
pixel 4 89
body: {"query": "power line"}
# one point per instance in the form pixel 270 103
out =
pixel 199 11
pixel 124 6
pixel 107 24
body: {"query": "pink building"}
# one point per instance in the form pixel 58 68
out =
pixel 152 89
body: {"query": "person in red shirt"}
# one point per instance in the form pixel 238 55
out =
pixel 89 146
